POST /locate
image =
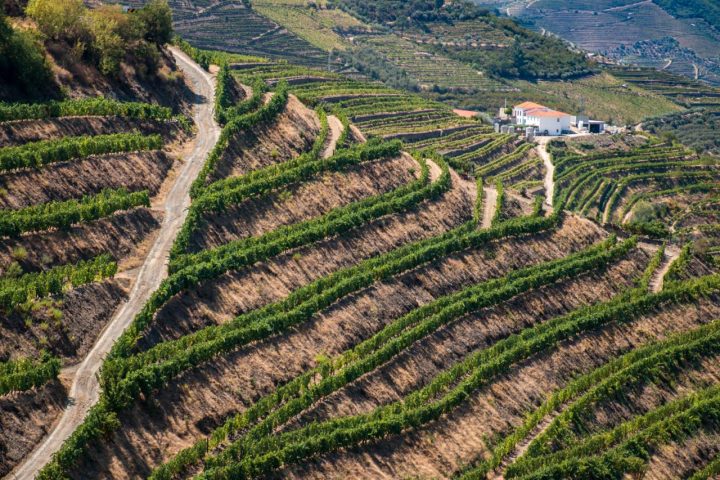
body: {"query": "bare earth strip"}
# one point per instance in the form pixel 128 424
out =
pixel 549 170
pixel 336 129
pixel 85 389
pixel 489 206
pixel 658 278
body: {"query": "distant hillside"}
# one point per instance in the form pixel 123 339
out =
pixel 469 34
pixel 631 31
pixel 455 52
pixel 238 27
pixel 708 10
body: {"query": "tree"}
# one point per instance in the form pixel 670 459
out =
pixel 519 59
pixel 108 43
pixel 156 17
pixel 58 19
pixel 22 61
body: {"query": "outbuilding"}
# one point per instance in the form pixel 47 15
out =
pixel 593 126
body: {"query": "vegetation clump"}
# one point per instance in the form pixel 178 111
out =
pixel 105 35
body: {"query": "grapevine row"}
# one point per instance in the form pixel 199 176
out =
pixel 217 202
pixel 64 214
pixel 38 154
pixel 243 122
pixel 30 286
pixel 440 396
pixel 231 191
pixel 383 346
pixel 24 374
pixel 83 107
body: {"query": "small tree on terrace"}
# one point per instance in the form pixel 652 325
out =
pixel 58 19
pixel 156 16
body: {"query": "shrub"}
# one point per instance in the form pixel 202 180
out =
pixel 58 19
pixel 108 44
pixel 156 18
pixel 22 62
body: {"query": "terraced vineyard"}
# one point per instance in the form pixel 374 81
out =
pixel 426 68
pixel 233 27
pixel 78 181
pixel 682 90
pixel 643 185
pixel 345 300
pixel 665 35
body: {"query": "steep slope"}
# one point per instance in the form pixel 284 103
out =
pixel 84 388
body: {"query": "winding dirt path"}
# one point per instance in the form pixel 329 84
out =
pixel 549 169
pixel 658 278
pixel 336 129
pixel 522 447
pixel 489 206
pixel 85 389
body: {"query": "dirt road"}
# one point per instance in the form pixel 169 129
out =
pixel 657 281
pixel 489 206
pixel 336 129
pixel 549 169
pixel 85 389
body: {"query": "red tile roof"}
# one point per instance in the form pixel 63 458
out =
pixel 537 110
pixel 546 113
pixel 527 105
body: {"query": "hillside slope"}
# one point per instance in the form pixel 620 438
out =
pixel 326 276
pixel 84 179
pixel 456 53
pixel 681 37
pixel 369 314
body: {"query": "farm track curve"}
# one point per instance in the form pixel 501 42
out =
pixel 85 389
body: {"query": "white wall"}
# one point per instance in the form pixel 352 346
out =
pixel 553 125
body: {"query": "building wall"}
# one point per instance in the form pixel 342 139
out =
pixel 553 125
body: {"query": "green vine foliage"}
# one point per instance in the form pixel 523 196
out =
pixel 24 374
pixel 31 286
pixel 38 154
pixel 98 106
pixel 65 214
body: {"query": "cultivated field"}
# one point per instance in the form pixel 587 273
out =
pixel 643 185
pixel 370 286
pixel 79 180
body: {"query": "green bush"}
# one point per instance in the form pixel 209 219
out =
pixel 156 18
pixel 23 64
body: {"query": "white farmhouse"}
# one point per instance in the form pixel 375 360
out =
pixel 546 120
